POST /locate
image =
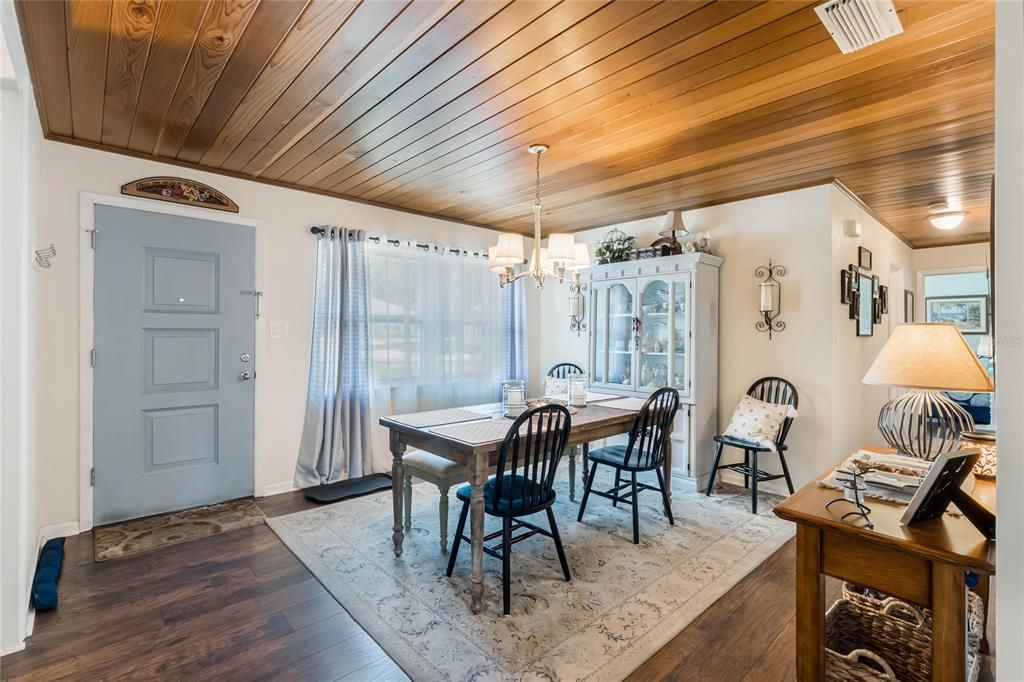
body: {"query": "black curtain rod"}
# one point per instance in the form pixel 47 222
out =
pixel 397 242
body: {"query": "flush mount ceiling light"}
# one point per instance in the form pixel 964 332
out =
pixel 562 255
pixel 942 218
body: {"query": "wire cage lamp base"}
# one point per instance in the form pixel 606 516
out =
pixel 923 424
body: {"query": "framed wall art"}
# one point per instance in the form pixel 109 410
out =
pixel 180 191
pixel 968 313
pixel 863 258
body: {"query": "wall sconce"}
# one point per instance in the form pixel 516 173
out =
pixel 577 308
pixel 770 290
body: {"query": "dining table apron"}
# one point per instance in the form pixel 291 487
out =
pixel 589 424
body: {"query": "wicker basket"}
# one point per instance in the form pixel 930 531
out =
pixel 873 599
pixel 897 634
pixel 860 665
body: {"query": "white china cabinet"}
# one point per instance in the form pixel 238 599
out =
pixel 654 323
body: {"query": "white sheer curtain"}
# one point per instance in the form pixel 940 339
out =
pixel 336 434
pixel 435 331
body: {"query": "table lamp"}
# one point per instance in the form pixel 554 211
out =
pixel 927 358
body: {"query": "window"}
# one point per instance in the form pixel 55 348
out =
pixel 962 298
pixel 434 319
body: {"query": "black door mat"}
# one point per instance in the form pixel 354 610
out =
pixel 344 490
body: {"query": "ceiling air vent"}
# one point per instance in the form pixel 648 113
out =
pixel 855 24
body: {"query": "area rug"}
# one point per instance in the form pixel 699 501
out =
pixel 141 535
pixel 624 603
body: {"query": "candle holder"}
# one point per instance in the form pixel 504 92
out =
pixel 577 390
pixel 770 298
pixel 513 397
pixel 577 308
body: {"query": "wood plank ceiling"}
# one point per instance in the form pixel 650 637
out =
pixel 428 105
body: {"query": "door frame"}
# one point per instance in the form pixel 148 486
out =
pixel 87 203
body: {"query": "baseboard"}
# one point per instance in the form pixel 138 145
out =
pixel 58 530
pixel 277 488
pixel 13 649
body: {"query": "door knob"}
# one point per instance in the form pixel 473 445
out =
pixel 245 375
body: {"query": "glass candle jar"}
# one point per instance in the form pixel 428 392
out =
pixel 578 390
pixel 513 397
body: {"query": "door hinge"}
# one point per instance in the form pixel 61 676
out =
pixel 92 357
pixel 92 238
pixel 92 477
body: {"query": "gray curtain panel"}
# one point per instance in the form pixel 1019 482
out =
pixel 336 432
pixel 513 330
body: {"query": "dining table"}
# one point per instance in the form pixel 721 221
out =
pixel 471 436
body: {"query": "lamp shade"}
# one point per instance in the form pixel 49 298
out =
pixel 582 259
pixel 673 225
pixel 492 263
pixel 561 248
pixel 930 356
pixel 545 262
pixel 509 249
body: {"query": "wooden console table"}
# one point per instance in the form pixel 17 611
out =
pixel 924 564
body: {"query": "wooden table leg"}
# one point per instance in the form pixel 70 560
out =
pixel 572 472
pixel 397 478
pixel 668 465
pixel 810 606
pixel 478 476
pixel 949 634
pixel 585 449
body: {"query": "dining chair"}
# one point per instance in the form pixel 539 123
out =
pixel 770 390
pixel 563 370
pixel 522 485
pixel 443 473
pixel 645 451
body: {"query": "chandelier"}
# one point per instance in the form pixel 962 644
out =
pixel 563 258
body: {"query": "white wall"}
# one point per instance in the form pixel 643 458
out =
pixel 818 351
pixel 288 260
pixel 1009 239
pixel 18 529
pixel 855 406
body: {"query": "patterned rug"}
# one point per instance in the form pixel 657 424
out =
pixel 624 603
pixel 141 535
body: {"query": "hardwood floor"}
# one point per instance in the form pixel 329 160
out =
pixel 240 606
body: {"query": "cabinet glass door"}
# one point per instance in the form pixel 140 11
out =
pixel 599 325
pixel 620 335
pixel 679 360
pixel 656 340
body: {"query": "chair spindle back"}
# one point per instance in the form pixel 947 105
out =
pixel 651 428
pixel 532 449
pixel 563 369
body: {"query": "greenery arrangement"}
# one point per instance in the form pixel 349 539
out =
pixel 615 247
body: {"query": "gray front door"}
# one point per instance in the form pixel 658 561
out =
pixel 174 331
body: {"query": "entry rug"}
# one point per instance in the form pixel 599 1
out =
pixel 141 535
pixel 624 603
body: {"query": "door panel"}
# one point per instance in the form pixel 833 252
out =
pixel 173 420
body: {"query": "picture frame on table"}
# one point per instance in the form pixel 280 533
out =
pixel 908 306
pixel 968 313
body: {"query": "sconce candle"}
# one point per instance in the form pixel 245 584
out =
pixel 767 297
